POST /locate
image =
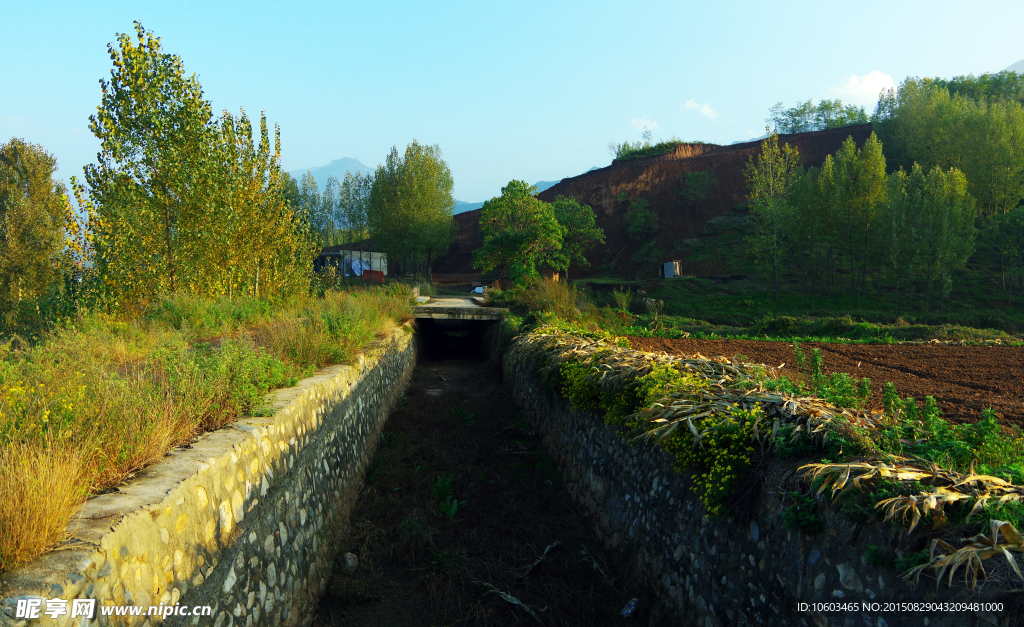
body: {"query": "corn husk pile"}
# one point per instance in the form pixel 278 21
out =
pixel 613 366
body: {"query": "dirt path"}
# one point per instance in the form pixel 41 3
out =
pixel 963 379
pixel 418 567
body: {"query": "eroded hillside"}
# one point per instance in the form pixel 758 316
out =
pixel 659 180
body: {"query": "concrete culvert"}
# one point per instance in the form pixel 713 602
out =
pixel 455 339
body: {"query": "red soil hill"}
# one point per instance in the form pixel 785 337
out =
pixel 659 180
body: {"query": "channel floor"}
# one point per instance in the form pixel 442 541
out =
pixel 503 544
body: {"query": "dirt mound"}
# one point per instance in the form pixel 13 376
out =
pixel 963 379
pixel 659 180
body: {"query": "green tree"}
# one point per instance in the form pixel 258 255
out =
pixel 34 212
pixel 519 232
pixel 947 227
pixel 410 208
pixel 260 246
pixel 859 195
pixel 150 193
pixel 641 220
pixel 697 186
pixel 180 200
pixel 769 179
pixel 581 232
pixel 316 210
pixel 807 116
pixel 353 200
pixel 899 233
pixel 934 125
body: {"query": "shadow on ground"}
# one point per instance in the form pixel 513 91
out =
pixel 431 554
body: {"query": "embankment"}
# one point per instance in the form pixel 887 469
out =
pixel 747 569
pixel 242 521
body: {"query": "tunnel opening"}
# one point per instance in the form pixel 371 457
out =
pixel 453 339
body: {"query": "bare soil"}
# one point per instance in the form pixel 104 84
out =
pixel 963 379
pixel 418 567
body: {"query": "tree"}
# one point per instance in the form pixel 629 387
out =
pixel 697 186
pixel 179 200
pixel 769 178
pixel 859 194
pixel 410 207
pixel 265 249
pixel 519 232
pixel 151 192
pixel 641 220
pixel 581 232
pixel 936 124
pixel 807 116
pixel 34 213
pixel 353 200
pixel 947 224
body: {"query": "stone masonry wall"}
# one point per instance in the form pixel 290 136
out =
pixel 712 571
pixel 242 521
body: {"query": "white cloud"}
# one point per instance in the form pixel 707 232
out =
pixel 862 90
pixel 644 122
pixel 703 109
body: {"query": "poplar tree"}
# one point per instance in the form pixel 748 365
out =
pixel 769 178
pixel 149 194
pixel 410 208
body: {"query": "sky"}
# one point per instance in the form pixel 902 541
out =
pixel 508 90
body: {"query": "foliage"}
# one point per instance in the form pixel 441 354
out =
pixel 807 116
pixel 999 86
pixel 581 232
pixel 179 200
pixel 697 186
pixel 770 178
pixel 723 457
pixel 100 397
pixel 35 216
pixel 410 206
pixel 519 232
pixel 954 124
pixel 641 221
pixel 802 514
pixel 622 298
pixel 441 490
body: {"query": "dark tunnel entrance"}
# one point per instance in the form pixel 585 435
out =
pixel 446 339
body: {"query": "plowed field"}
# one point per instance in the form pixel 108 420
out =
pixel 963 379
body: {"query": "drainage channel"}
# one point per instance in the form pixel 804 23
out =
pixel 463 519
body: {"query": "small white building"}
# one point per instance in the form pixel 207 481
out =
pixel 670 269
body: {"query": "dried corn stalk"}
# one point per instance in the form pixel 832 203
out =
pixel 1006 541
pixel 613 366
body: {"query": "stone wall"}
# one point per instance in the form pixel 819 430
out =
pixel 712 571
pixel 242 521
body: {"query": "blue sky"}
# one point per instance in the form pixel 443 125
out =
pixel 525 90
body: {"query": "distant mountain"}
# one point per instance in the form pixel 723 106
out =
pixel 336 168
pixel 462 207
pixel 1017 67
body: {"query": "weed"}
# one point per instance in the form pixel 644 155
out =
pixel 462 416
pixel 441 490
pixel 802 514
pixel 878 557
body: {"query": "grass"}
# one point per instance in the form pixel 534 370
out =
pixel 99 398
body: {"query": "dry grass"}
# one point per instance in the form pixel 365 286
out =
pixel 39 490
pixel 96 401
